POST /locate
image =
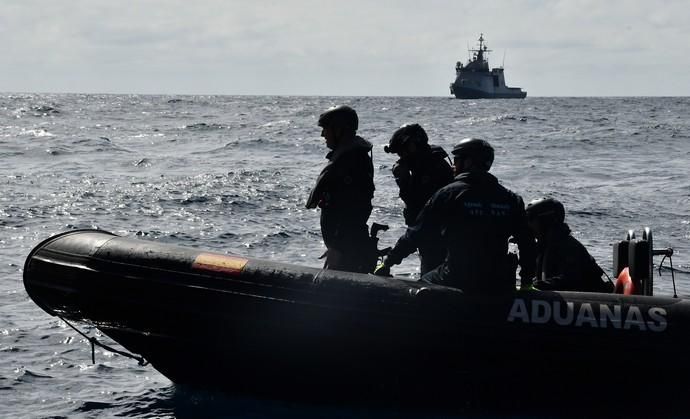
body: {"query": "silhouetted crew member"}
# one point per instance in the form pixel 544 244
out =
pixel 343 191
pixel 420 171
pixel 563 263
pixel 475 217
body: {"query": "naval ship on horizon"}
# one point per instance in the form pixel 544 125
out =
pixel 476 81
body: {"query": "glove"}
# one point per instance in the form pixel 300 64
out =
pixel 401 170
pixel 528 287
pixel 382 269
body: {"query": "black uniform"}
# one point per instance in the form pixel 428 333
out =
pixel 564 264
pixel 429 172
pixel 344 191
pixel 475 216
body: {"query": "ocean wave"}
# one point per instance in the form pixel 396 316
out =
pixel 39 111
pixel 45 110
pixel 92 406
pixel 203 126
pixel 143 162
pixel 36 132
pixel 175 101
pixel 283 122
pixel 25 375
pixel 98 144
pixel 241 142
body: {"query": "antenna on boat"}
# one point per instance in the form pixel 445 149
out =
pixel 503 64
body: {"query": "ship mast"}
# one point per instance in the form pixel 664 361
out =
pixel 482 48
pixel 478 62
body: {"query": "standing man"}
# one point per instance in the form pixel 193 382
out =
pixel 344 191
pixel 475 216
pixel 420 171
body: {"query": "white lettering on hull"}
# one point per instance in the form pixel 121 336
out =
pixel 588 315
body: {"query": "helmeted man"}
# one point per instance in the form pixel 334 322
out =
pixel 563 263
pixel 420 171
pixel 344 191
pixel 475 217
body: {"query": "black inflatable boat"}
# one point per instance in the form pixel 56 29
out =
pixel 268 328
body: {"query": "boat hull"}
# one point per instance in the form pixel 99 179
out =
pixel 274 329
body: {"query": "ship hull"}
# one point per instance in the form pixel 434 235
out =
pixel 469 93
pixel 281 330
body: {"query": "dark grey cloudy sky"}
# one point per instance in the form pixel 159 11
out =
pixel 353 47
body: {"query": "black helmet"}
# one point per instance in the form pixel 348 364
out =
pixel 405 133
pixel 477 149
pixel 548 208
pixel 341 114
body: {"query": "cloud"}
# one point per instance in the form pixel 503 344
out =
pixel 337 48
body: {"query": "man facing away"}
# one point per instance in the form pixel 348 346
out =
pixel 343 192
pixel 563 263
pixel 475 217
pixel 420 171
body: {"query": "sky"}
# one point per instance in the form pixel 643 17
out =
pixel 342 48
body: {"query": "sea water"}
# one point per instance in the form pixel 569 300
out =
pixel 232 173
